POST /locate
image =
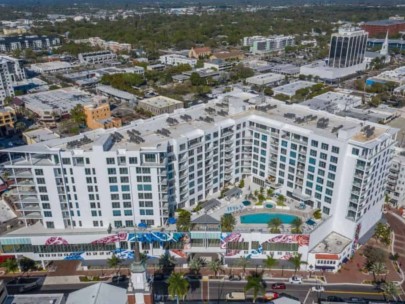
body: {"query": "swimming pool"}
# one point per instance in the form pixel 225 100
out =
pixel 264 218
pixel 269 206
pixel 246 203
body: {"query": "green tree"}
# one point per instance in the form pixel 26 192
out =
pixel 297 262
pixel 255 283
pixel 114 262
pixel 296 224
pixel 20 126
pixel 183 221
pixel 166 262
pixel 243 262
pixel 274 225
pixel 215 266
pixel 378 269
pixel 391 290
pixel 196 263
pixel 228 222
pixel 26 264
pixel 196 79
pixel 77 114
pixel 242 184
pixel 270 262
pixel 268 92
pixel 373 255
pixel 10 265
pixel 317 214
pixel 270 193
pixel 178 286
pixel 281 200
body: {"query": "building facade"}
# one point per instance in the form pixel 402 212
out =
pixel 160 104
pixel 10 73
pixel 381 27
pixel 396 179
pixel 9 44
pixel 347 48
pixel 97 57
pixel 87 192
pixel 98 115
pixel 174 59
pixel 261 44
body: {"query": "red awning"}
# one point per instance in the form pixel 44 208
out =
pixel 323 256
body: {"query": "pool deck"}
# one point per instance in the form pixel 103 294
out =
pixel 291 208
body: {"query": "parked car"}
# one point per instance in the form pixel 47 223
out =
pixel 234 277
pixel 278 286
pixel 235 296
pixel 334 299
pixel 318 288
pixel 269 295
pixel 119 278
pixel 295 280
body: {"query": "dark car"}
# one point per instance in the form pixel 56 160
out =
pixel 334 299
pixel 193 276
pixel 158 277
pixel 278 286
pixel 234 277
pixel 119 278
pixel 356 300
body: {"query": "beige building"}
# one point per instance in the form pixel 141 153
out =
pixel 198 53
pixel 98 115
pixel 160 104
pixel 39 135
pixel 7 119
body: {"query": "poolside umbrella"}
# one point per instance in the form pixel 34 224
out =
pixel 171 221
pixel 142 225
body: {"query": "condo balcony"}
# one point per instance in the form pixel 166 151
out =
pixel 227 133
pixel 228 170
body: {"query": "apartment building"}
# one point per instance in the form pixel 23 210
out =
pixel 261 44
pixel 175 59
pixel 98 115
pixel 11 43
pixel 396 179
pixel 10 73
pixel 97 57
pixel 76 188
pixel 7 120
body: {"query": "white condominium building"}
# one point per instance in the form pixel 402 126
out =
pixel 10 73
pixel 261 44
pixel 141 173
pixel 97 57
pixel 175 59
pixel 396 178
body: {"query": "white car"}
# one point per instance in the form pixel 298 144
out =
pixel 318 288
pixel 295 280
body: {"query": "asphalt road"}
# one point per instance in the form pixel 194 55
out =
pixel 218 289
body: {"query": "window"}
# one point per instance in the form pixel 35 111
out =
pixel 355 151
pixel 112 180
pixel 46 206
pixel 335 149
pixel 123 170
pixel 314 143
pixel 42 189
pixel 115 197
pixel 66 161
pixel 41 180
pixel 126 196
pixel 116 205
pixel 39 172
pixel 332 168
pixel 47 214
pixel 333 159
pixel 87 171
pixel 110 161
pixel 125 188
pixel 44 197
pixel 129 223
pixel 111 171
pixel 128 212
pixel 312 153
pixel 118 224
pixel 95 223
pixel 116 212
pixel 113 188
pixel 324 146
pixel 50 225
pixel 94 213
pixel 124 179
pixel 133 160
pixel 127 205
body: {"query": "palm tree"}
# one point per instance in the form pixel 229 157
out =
pixel 297 262
pixel 378 268
pixel 228 222
pixel 270 193
pixel 391 290
pixel 215 266
pixel 255 282
pixel 270 262
pixel 178 286
pixel 166 262
pixel 114 262
pixel 11 265
pixel 281 200
pixel 296 223
pixel 243 262
pixel 195 264
pixel 274 225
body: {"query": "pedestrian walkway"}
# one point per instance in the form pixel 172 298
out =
pixel 62 280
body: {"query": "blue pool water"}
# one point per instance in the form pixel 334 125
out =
pixel 264 218
pixel 269 206
pixel 246 203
